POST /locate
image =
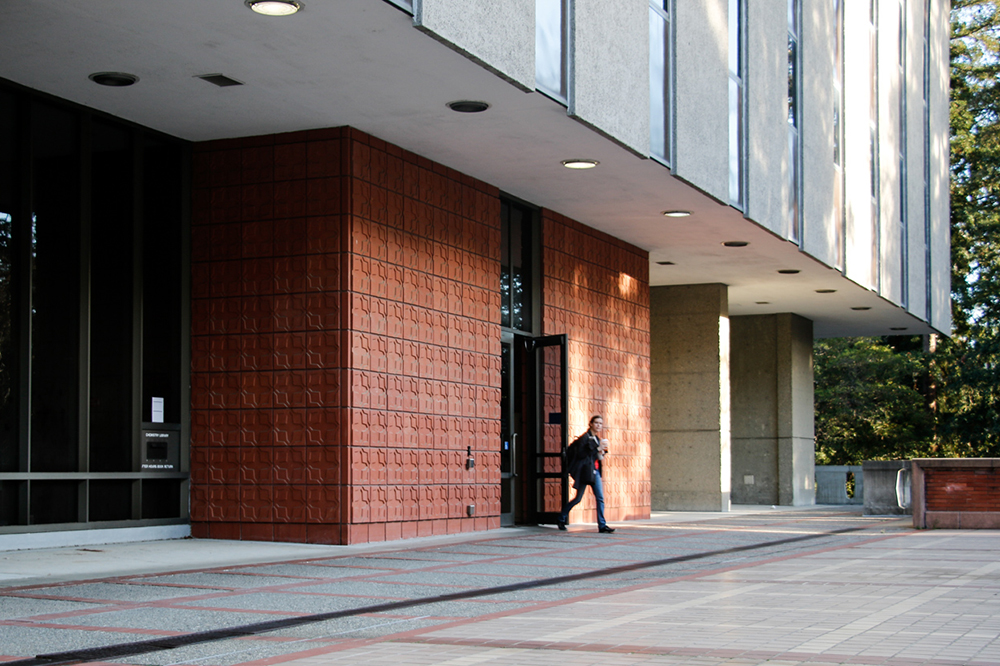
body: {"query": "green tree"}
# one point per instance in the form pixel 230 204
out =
pixel 878 399
pixel 969 362
pixel 871 400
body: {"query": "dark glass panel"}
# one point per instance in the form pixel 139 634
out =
pixel 504 264
pixel 55 293
pixel 111 300
pixel 162 216
pixel 520 267
pixel 516 266
pixel 10 444
pixel 793 64
pixel 110 499
pixel 13 496
pixel 506 354
pixel 54 502
pixel 161 498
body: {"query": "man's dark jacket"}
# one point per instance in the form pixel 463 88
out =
pixel 581 457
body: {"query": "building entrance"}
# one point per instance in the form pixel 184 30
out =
pixel 533 430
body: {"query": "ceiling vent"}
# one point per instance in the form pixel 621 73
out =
pixel 220 80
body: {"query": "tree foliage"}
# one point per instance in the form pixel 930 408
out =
pixel 878 399
pixel 969 362
pixel 871 404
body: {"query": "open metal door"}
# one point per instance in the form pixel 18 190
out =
pixel 551 427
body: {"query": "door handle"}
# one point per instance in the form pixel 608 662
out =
pixel 513 455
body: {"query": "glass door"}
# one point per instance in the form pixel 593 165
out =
pixel 551 481
pixel 510 428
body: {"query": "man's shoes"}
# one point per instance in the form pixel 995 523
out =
pixel 561 525
pixel 606 530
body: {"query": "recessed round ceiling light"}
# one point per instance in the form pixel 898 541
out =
pixel 274 7
pixel 736 243
pixel 825 291
pixel 580 164
pixel 788 271
pixel 468 106
pixel 897 328
pixel 676 213
pixel 861 308
pixel 113 79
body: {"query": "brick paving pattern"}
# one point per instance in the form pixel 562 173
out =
pixel 881 593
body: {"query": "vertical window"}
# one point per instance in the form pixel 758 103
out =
pixel 904 231
pixel 161 277
pixel 838 131
pixel 660 111
pixel 86 312
pixel 873 156
pixel 551 50
pixel 927 157
pixel 111 279
pixel 794 121
pixel 516 266
pixel 55 291
pixel 736 95
pixel 9 348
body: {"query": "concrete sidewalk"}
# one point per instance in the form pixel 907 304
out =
pixel 819 586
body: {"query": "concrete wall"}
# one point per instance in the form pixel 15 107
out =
pixel 940 268
pixel 821 227
pixel 596 290
pixel 772 410
pixel 610 59
pixel 498 35
pixel 690 412
pixel 701 99
pixel 608 90
pixel 880 497
pixel 767 115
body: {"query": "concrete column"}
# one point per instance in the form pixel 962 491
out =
pixel 772 392
pixel 689 372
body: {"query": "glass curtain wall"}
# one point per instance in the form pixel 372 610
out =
pixel 91 228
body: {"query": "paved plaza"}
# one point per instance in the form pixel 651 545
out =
pixel 821 586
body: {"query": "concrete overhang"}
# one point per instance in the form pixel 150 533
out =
pixel 362 63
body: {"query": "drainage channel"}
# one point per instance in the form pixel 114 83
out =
pixel 121 650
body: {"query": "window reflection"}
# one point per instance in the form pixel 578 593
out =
pixel 516 283
pixel 794 157
pixel 550 47
pixel 659 80
pixel 736 103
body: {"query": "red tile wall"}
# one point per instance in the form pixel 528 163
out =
pixel 596 290
pixel 952 490
pixel 345 350
pixel 268 356
pixel 423 344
